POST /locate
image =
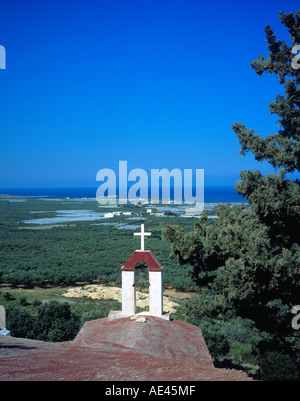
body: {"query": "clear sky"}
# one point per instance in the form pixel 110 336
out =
pixel 157 83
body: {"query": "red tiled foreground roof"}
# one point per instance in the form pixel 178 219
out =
pixel 116 350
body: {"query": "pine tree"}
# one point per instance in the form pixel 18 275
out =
pixel 249 258
pixel 275 199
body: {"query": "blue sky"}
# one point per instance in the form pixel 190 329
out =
pixel 157 83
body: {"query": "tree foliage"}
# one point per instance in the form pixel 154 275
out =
pixel 53 321
pixel 281 149
pixel 66 254
pixel 249 258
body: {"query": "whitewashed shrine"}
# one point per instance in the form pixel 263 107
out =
pixel 129 287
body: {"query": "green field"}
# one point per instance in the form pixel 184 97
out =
pixel 68 253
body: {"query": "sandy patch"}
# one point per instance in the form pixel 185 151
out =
pixel 95 291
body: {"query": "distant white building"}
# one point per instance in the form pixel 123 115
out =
pixel 112 214
pixel 109 215
pixel 149 211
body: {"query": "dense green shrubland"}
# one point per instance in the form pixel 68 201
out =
pixel 34 255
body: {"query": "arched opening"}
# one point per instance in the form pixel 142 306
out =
pixel 142 284
pixel 133 278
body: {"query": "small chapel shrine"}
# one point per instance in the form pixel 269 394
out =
pixel 129 287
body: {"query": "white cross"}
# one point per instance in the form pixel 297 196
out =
pixel 142 234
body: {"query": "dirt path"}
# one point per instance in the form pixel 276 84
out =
pixel 95 291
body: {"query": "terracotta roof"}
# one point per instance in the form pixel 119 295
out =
pixel 142 256
pixel 114 351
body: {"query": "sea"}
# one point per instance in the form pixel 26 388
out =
pixel 212 194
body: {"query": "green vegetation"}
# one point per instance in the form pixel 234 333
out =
pixel 247 263
pixel 44 314
pixel 53 321
pixel 78 251
pixel 37 264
